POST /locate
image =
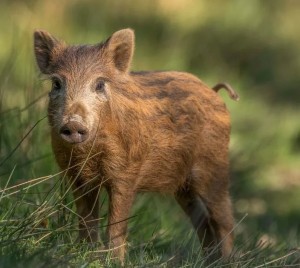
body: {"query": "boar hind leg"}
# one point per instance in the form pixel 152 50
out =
pixel 87 205
pixel 221 220
pixel 212 220
pixel 198 214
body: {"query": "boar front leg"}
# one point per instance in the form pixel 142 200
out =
pixel 87 205
pixel 120 202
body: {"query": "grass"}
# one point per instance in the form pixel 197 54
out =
pixel 38 229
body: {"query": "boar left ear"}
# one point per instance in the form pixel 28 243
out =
pixel 120 47
pixel 44 46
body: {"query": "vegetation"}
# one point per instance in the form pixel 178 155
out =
pixel 254 47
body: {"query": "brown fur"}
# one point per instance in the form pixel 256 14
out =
pixel 147 131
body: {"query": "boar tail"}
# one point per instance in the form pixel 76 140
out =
pixel 233 95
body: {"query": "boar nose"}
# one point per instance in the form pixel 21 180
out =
pixel 74 132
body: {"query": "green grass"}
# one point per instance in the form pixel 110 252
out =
pixel 38 229
pixel 254 48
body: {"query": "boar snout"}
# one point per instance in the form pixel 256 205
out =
pixel 74 132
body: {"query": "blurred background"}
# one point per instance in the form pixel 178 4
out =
pixel 253 45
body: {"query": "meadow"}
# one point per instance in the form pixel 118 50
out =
pixel 254 46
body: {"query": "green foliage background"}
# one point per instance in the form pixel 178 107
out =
pixel 253 45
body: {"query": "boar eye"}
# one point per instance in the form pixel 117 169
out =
pixel 100 86
pixel 56 84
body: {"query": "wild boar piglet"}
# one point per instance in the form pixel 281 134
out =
pixel 130 132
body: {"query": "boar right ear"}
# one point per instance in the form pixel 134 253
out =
pixel 44 45
pixel 120 47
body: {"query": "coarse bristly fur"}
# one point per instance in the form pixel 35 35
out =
pixel 131 132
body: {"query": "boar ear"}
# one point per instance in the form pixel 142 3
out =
pixel 120 46
pixel 44 44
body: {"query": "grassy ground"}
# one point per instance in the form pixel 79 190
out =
pixel 38 229
pixel 255 48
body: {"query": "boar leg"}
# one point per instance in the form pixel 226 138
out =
pixel 221 218
pixel 213 223
pixel 196 211
pixel 120 202
pixel 87 205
